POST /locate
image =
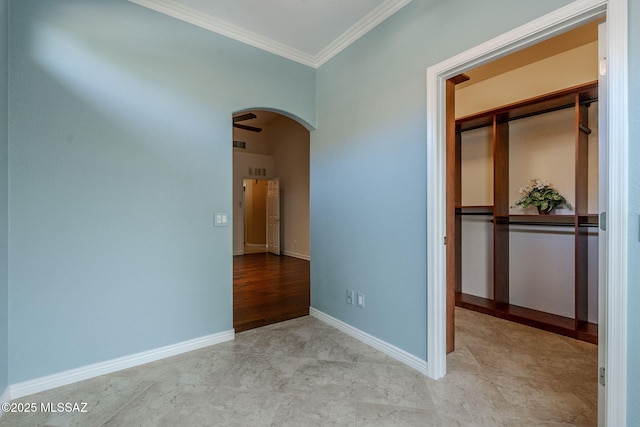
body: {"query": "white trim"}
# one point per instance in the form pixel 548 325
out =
pixel 216 25
pixel 297 255
pixel 617 215
pixel 211 23
pixel 383 346
pixel 286 253
pixel 256 245
pixel 48 382
pixel 436 226
pixel 359 29
pixel 572 15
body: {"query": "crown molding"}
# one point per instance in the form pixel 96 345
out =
pixel 211 23
pixel 359 29
pixel 219 26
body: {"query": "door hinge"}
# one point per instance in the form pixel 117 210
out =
pixel 601 376
pixel 445 240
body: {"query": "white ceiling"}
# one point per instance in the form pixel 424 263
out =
pixel 307 31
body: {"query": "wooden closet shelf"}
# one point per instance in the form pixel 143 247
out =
pixel 548 220
pixel 538 319
pixel 474 210
pixel 554 101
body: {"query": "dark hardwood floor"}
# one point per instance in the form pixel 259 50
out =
pixel 268 289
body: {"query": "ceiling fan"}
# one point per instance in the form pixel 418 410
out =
pixel 242 118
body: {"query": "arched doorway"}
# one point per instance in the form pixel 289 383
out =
pixel 268 288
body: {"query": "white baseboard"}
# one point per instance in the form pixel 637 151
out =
pixel 388 349
pixel 297 255
pixel 48 382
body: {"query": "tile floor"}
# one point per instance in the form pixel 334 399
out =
pixel 305 373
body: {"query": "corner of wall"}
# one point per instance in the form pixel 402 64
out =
pixel 4 217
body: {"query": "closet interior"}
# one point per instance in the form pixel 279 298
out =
pixel 513 263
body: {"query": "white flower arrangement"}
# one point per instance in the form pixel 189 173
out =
pixel 541 194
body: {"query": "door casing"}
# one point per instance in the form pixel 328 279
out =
pixel 273 216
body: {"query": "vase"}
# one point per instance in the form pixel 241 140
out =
pixel 545 211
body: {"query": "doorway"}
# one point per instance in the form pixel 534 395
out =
pixel 261 203
pixel 510 262
pixel 562 19
pixel 255 215
pixel 271 243
pixel 503 140
pixel 275 146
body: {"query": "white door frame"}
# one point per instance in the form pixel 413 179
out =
pixel 603 205
pixel 561 20
pixel 273 216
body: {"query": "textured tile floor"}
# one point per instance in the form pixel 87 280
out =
pixel 305 373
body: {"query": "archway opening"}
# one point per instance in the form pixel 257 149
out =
pixel 271 237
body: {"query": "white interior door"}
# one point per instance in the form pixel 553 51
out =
pixel 603 201
pixel 273 216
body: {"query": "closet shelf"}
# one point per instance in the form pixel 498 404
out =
pixel 548 220
pixel 547 103
pixel 526 316
pixel 486 210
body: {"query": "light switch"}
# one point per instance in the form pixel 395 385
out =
pixel 221 219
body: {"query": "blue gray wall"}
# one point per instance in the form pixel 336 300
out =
pixel 120 152
pixel 4 220
pixel 633 326
pixel 368 168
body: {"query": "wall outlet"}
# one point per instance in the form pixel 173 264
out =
pixel 360 300
pixel 351 299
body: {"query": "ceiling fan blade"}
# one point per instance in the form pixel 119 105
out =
pixel 243 117
pixel 245 127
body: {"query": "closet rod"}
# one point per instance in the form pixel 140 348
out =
pixel 553 224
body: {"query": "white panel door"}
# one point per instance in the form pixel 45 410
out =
pixel 273 216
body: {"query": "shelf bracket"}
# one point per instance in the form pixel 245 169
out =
pixel 584 129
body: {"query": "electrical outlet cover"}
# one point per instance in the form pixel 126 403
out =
pixel 360 300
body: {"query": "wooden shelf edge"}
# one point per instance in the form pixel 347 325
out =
pixel 474 210
pixel 559 220
pixel 475 207
pixel 472 302
pixel 564 98
pixel 588 332
pixel 526 316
